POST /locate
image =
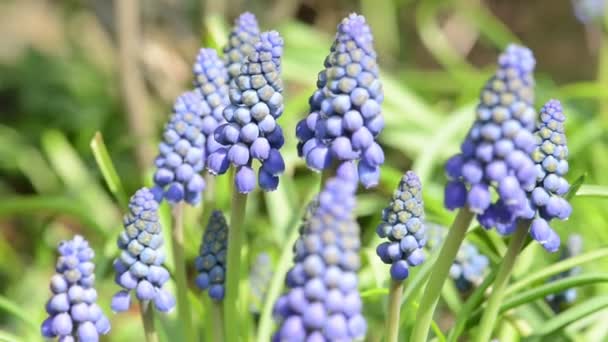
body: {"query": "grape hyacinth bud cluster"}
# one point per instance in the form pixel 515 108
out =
pixel 211 262
pixel 588 11
pixel 345 115
pixel 73 311
pixel 211 81
pixel 252 131
pixel 243 36
pixel 403 226
pixel 551 161
pixel 140 264
pixel 496 152
pixel 182 153
pixel 561 300
pixel 260 276
pixel 323 303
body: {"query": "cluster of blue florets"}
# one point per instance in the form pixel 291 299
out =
pixel 496 153
pixel 211 81
pixel 550 157
pixel 243 36
pixel 140 264
pixel 73 311
pixel 252 131
pixel 182 153
pixel 211 262
pixel 260 276
pixel 403 226
pixel 323 303
pixel 561 300
pixel 588 11
pixel 345 115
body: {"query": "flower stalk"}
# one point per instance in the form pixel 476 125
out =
pixel 394 308
pixel 181 281
pixel 147 317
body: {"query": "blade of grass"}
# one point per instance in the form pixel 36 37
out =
pixel 587 190
pixel 18 311
pixel 106 166
pixel 573 314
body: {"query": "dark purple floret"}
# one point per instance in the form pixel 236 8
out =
pixel 403 226
pixel 550 156
pixel 211 261
pixel 345 111
pixel 323 303
pixel 492 172
pixel 252 131
pixel 73 311
pixel 140 264
pixel 243 36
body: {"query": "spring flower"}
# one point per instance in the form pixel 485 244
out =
pixel 243 36
pixel 73 311
pixel 561 300
pixel 211 81
pixel 182 153
pixel 494 157
pixel 403 226
pixel 140 264
pixel 588 11
pixel 211 262
pixel 345 115
pixel 252 131
pixel 260 276
pixel 550 156
pixel 323 303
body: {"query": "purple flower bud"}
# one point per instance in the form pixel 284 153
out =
pixel 243 36
pixel 245 179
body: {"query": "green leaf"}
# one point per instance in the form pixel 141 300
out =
pixel 105 164
pixel 5 336
pixel 18 311
pixel 573 191
pixel 372 293
pixel 587 190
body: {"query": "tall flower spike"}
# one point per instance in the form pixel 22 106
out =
pixel 403 226
pixel 260 276
pixel 182 153
pixel 243 36
pixel 252 131
pixel 73 311
pixel 211 262
pixel 345 115
pixel 550 156
pixel 211 80
pixel 140 264
pixel 323 303
pixel 561 300
pixel 496 152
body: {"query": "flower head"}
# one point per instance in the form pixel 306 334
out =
pixel 561 300
pixel 260 276
pixel 345 115
pixel 211 261
pixel 323 303
pixel 243 36
pixel 182 153
pixel 140 264
pixel 252 131
pixel 73 311
pixel 403 225
pixel 495 156
pixel 211 80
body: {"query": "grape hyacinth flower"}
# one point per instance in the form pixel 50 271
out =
pixel 588 11
pixel 403 226
pixel 243 36
pixel 561 300
pixel 260 276
pixel 73 311
pixel 496 152
pixel 550 156
pixel 211 81
pixel 211 262
pixel 140 264
pixel 252 131
pixel 182 153
pixel 323 303
pixel 345 115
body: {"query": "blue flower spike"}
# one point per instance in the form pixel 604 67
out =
pixel 241 42
pixel 345 111
pixel 211 261
pixel 403 226
pixel 139 268
pixel 550 156
pixel 493 170
pixel 252 131
pixel 323 303
pixel 73 311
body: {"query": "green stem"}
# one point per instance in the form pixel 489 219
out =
pixel 147 317
pixel 394 306
pixel 500 284
pixel 235 240
pixel 217 315
pixel 181 282
pixel 440 272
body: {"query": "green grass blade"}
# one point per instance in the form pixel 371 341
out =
pixel 375 292
pixel 106 166
pixel 587 190
pixel 5 336
pixel 17 311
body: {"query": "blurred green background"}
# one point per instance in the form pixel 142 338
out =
pixel 71 68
